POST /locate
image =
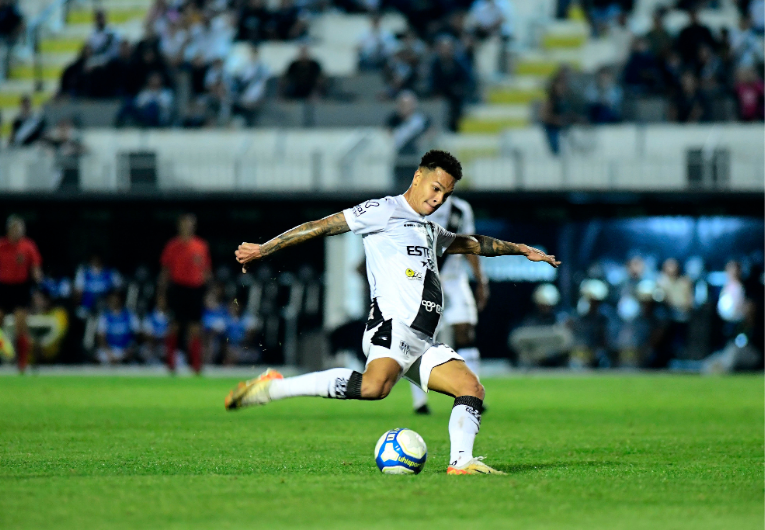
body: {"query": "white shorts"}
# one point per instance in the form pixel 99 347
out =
pixel 459 303
pixel 415 352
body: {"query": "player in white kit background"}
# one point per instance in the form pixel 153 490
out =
pixel 402 248
pixel 461 308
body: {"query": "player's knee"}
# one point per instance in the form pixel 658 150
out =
pixel 473 387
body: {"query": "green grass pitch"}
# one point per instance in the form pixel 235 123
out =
pixel 584 452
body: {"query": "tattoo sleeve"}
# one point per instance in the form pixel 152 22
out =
pixel 329 226
pixel 483 246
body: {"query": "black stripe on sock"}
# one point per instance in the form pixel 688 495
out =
pixel 470 401
pixel 353 389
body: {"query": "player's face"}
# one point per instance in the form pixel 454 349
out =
pixel 432 189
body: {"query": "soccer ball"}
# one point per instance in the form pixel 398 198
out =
pixel 401 452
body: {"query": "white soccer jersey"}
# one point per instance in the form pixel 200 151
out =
pixel 456 216
pixel 401 249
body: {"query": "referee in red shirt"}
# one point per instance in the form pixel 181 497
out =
pixel 20 264
pixel 186 268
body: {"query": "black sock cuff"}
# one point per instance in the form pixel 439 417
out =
pixel 353 390
pixel 469 401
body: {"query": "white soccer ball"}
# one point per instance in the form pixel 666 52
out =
pixel 401 452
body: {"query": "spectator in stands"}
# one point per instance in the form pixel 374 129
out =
pixel 249 87
pixel 642 338
pixel 118 330
pixel 75 82
pixel 710 71
pixel 749 95
pixel 408 125
pixel 689 105
pixel 400 73
pixel 157 17
pixel 122 72
pixel 642 73
pixel 253 21
pixel 46 346
pixel 103 41
pixel 66 143
pixel 172 42
pixel 451 79
pixel 678 296
pixel 757 14
pixel 693 36
pixel 20 265
pixel 238 348
pixel 555 113
pixel 152 107
pixel 488 18
pixel 289 22
pixel 11 26
pixel 216 100
pixel 154 329
pixel 28 126
pixel 186 267
pixel 658 38
pixel 147 61
pixel 92 282
pixel 745 45
pixel 375 46
pixel 304 78
pixel 604 98
pixel 601 14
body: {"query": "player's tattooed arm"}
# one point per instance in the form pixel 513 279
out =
pixel 329 226
pixel 490 247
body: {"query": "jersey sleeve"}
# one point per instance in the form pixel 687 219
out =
pixel 444 238
pixel 370 216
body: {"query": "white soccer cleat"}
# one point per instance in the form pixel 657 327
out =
pixel 474 466
pixel 252 392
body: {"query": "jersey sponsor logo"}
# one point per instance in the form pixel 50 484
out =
pixel 430 306
pixel 404 347
pixel 416 250
pixel 413 274
pixel 361 209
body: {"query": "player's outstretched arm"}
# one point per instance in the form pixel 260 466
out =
pixel 489 246
pixel 329 226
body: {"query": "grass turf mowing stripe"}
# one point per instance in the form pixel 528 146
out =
pixel 584 452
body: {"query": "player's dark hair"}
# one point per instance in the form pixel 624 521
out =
pixel 436 158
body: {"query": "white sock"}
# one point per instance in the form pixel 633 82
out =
pixel 419 396
pixel 327 384
pixel 472 358
pixel 463 428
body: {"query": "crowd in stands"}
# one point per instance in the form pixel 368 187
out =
pixel 696 72
pixel 186 48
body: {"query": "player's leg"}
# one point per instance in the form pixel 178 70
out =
pixel 454 378
pixel 337 383
pixel 23 340
pixel 419 400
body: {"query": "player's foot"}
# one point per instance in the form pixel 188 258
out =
pixel 474 466
pixel 424 410
pixel 252 392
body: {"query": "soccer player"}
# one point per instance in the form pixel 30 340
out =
pixel 401 248
pixel 20 263
pixel 185 271
pixel 460 307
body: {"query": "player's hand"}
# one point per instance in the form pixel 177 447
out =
pixel 534 254
pixel 247 253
